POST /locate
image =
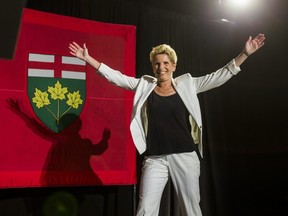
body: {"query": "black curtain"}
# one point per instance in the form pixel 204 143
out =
pixel 244 170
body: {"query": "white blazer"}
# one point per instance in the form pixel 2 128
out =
pixel 186 86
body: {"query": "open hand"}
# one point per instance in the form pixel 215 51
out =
pixel 76 50
pixel 252 45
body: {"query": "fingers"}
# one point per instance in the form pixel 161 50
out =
pixel 74 46
pixel 12 103
pixel 255 43
pixel 259 40
pixel 107 133
pixel 73 49
pixel 260 36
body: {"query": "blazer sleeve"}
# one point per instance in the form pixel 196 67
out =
pixel 217 78
pixel 117 78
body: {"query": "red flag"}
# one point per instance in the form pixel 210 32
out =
pixel 94 146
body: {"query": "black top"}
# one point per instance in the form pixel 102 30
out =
pixel 169 130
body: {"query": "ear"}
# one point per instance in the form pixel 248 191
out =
pixel 174 66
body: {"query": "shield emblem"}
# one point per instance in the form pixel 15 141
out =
pixel 56 88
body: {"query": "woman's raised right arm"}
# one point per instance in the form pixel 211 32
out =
pixel 82 53
pixel 113 76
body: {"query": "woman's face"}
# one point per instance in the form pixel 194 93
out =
pixel 163 68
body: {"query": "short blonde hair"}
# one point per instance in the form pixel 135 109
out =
pixel 164 49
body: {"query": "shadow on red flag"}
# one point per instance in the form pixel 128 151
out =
pixel 62 124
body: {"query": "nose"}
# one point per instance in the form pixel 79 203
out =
pixel 161 66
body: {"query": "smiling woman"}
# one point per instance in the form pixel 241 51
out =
pixel 166 124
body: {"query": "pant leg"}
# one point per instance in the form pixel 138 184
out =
pixel 185 172
pixel 153 180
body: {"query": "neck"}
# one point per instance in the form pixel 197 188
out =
pixel 165 88
pixel 165 84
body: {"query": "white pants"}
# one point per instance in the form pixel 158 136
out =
pixel 184 170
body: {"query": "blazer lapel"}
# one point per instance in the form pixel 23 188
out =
pixel 142 97
pixel 185 96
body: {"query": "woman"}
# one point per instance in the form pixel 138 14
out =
pixel 166 122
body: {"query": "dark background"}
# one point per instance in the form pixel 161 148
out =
pixel 244 170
